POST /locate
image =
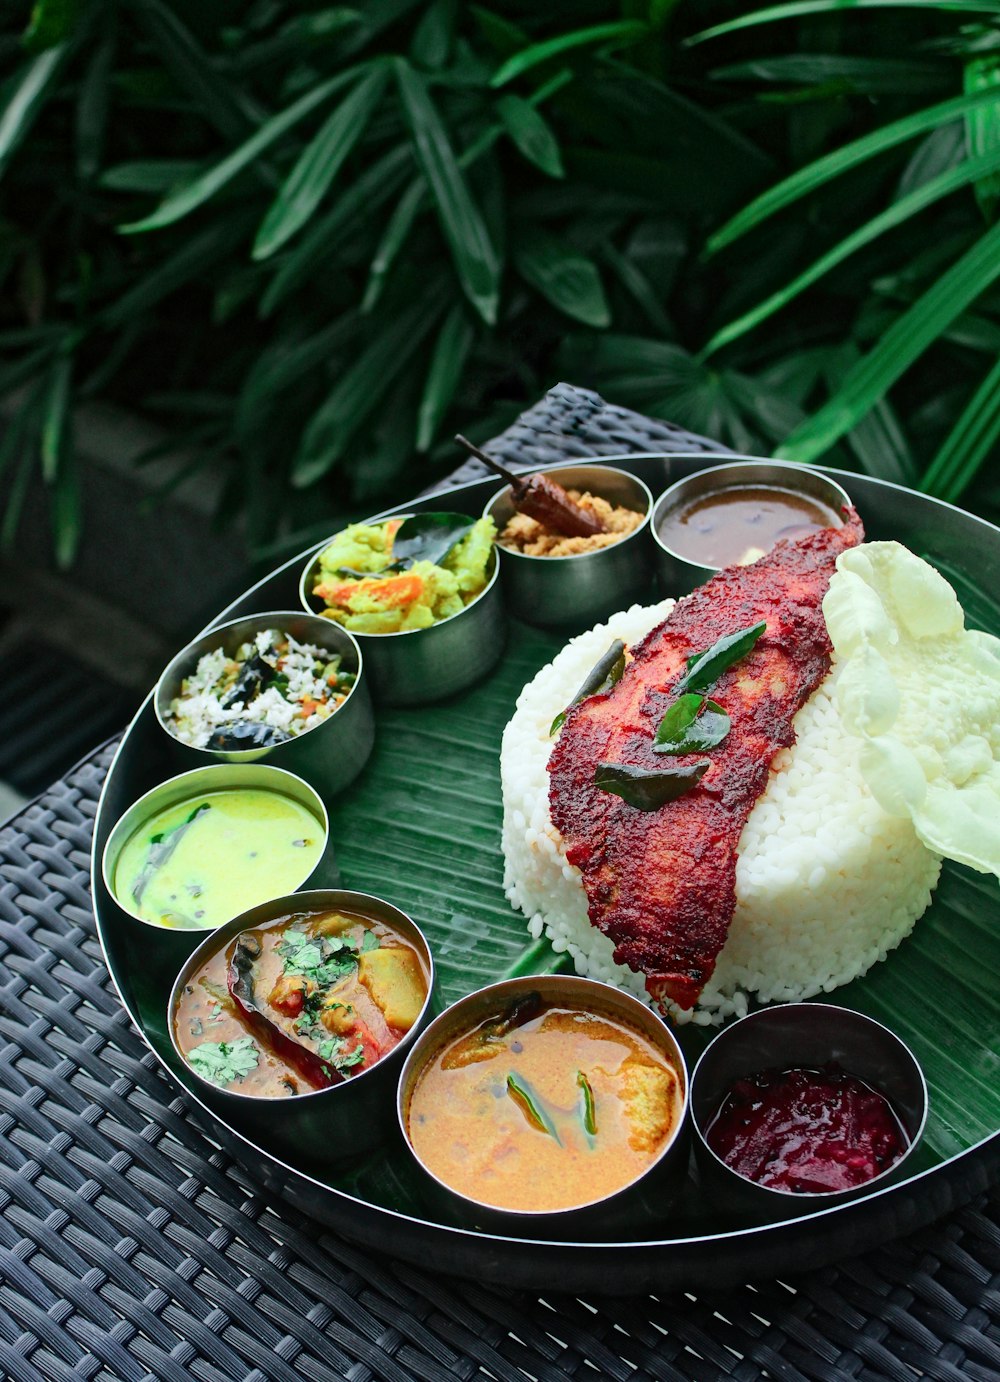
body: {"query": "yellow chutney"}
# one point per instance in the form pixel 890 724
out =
pixel 204 860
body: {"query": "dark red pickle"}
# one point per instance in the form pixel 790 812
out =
pixel 806 1131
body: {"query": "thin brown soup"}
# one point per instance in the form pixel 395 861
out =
pixel 736 526
pixel 543 1108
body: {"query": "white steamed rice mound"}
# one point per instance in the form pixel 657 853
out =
pixel 826 882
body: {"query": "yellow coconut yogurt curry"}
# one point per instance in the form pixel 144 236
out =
pixel 199 862
pixel 543 1108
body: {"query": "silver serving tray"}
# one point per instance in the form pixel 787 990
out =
pixel 957 540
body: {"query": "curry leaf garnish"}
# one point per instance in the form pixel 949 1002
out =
pixel 161 846
pixel 428 537
pixel 649 788
pixel 223 1061
pixel 588 1111
pixel 705 669
pixel 691 725
pixel 529 1104
pixel 605 673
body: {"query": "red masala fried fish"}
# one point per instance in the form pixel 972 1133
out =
pixel 661 884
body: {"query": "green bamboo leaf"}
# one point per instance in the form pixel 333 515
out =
pixel 92 110
pixel 451 350
pixel 27 93
pixel 17 493
pixel 149 175
pixel 532 134
pixel 320 162
pixel 281 366
pixel 878 440
pixel 66 508
pixel 55 413
pixel 982 125
pixel 414 200
pixel 800 8
pixel 638 286
pixel 51 22
pixel 298 38
pixel 566 278
pixel 960 176
pixel 363 198
pixel 905 340
pixel 224 104
pixel 944 148
pixel 396 233
pixel 499 32
pixel 360 388
pixel 969 443
pixel 873 76
pixel 195 255
pixel 617 33
pixel 807 179
pixel 474 257
pixel 184 201
pixel 15 432
pixel 434 36
pixel 15 373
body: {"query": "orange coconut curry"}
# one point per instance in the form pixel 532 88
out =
pixel 543 1108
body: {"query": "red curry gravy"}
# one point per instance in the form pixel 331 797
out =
pixel 738 525
pixel 334 991
pixel 546 1113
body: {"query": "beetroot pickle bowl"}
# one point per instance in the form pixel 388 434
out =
pixel 802 1036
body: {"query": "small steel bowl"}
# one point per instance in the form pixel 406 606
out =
pixel 417 666
pixel 321 1126
pixel 681 574
pixel 331 754
pixel 808 1036
pixel 635 1204
pixel 188 787
pixel 566 592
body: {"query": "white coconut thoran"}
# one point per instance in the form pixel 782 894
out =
pixel 922 692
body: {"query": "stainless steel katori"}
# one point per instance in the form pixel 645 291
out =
pixel 190 786
pixel 321 1126
pixel 567 592
pixel 644 1200
pixel 329 755
pixel 802 1036
pixel 417 666
pixel 680 574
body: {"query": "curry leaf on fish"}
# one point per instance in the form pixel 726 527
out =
pixel 693 724
pixel 649 788
pixel 707 667
pixel 605 673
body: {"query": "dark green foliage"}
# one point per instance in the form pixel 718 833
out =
pixel 316 240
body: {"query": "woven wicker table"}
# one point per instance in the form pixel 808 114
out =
pixel 130 1248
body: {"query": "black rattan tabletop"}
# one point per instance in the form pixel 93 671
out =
pixel 132 1248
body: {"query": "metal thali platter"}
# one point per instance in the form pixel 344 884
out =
pixel 398 835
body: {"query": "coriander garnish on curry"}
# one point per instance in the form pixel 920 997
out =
pixel 300 1003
